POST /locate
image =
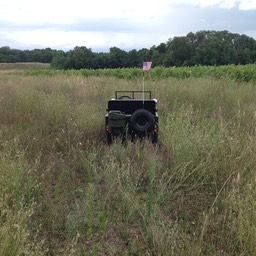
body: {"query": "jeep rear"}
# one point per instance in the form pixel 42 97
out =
pixel 132 114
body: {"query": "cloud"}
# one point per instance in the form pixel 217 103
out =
pixel 66 12
pixel 248 5
pixel 227 4
pixel 101 24
pixel 97 41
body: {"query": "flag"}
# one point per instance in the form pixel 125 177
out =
pixel 146 65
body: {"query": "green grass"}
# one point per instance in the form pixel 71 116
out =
pixel 63 191
pixel 24 66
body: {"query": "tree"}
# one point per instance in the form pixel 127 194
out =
pixel 8 55
pixel 59 61
pixel 133 60
pixel 117 58
pixel 245 49
pixel 206 47
pixel 179 51
pixel 79 58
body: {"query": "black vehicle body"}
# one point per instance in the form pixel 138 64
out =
pixel 132 114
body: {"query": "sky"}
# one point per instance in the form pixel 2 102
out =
pixel 102 24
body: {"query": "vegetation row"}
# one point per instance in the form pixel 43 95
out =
pixel 238 73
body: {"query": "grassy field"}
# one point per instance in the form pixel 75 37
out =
pixel 24 66
pixel 63 191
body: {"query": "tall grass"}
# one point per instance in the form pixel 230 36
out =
pixel 65 192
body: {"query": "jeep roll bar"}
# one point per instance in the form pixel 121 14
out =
pixel 132 94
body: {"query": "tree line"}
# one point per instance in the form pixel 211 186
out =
pixel 200 48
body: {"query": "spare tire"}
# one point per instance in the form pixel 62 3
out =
pixel 125 97
pixel 142 120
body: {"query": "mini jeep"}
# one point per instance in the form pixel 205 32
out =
pixel 132 114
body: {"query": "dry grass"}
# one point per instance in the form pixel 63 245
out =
pixel 64 192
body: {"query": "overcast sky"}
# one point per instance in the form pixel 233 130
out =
pixel 130 24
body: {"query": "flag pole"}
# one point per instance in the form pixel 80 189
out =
pixel 146 67
pixel 143 89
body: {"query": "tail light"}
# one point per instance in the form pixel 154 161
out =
pixel 155 127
